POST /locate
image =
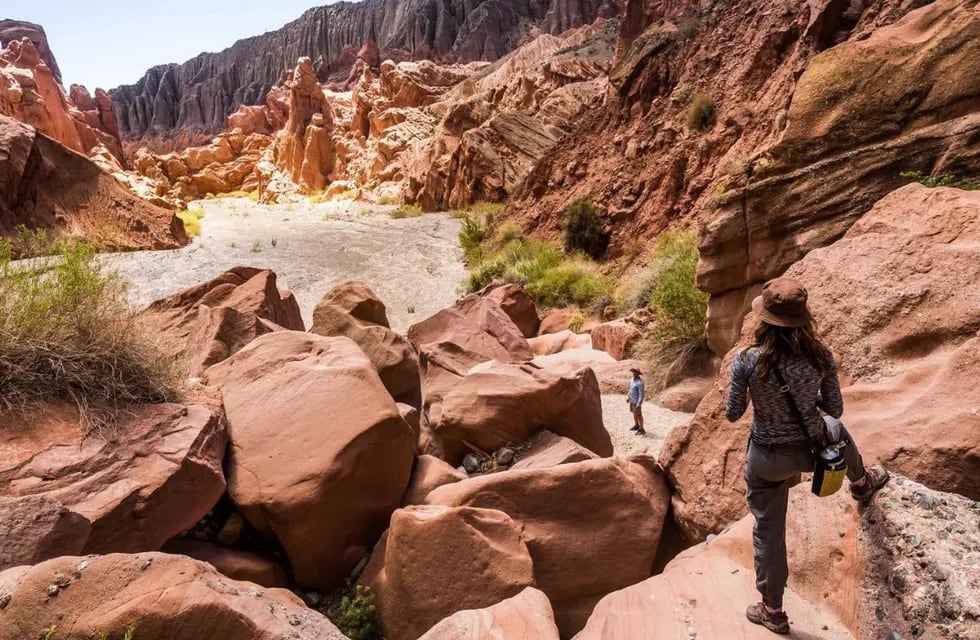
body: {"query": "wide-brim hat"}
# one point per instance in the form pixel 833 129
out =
pixel 783 303
pixel 636 371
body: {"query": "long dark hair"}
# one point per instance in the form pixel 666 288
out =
pixel 779 342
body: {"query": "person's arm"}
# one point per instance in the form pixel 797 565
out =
pixel 738 388
pixel 830 399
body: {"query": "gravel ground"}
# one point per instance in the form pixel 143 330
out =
pixel 657 423
pixel 413 264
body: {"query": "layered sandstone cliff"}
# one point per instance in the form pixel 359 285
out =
pixel 197 96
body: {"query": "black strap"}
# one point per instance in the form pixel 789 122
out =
pixel 784 389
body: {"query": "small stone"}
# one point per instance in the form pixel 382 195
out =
pixel 917 541
pixel 4 600
pixel 894 636
pixel 504 456
pixel 312 598
pixel 471 463
pixel 879 612
pixel 145 564
pixel 940 573
pixel 53 590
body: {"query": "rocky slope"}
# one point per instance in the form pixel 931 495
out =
pixel 774 126
pixel 197 96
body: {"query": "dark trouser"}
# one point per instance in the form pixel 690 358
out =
pixel 768 472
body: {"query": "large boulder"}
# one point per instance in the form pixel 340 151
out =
pixel 518 305
pixel 454 340
pixel 902 570
pixel 591 527
pixel 46 185
pixel 617 338
pixel 351 309
pixel 234 563
pixel 429 473
pixel 436 560
pixel 908 356
pixel 63 491
pixel 526 616
pixel 505 404
pixel 320 455
pixel 155 594
pixel 549 450
pixel 206 323
pixel 551 343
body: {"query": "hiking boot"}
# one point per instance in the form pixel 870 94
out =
pixel 640 431
pixel 634 427
pixel 775 621
pixel 874 479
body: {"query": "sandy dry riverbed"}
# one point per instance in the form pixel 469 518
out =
pixel 413 264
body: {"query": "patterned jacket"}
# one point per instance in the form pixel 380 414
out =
pixel 773 419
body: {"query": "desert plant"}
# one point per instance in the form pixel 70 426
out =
pixel 583 230
pixel 274 242
pixel 942 180
pixel 192 221
pixel 681 308
pixel 357 617
pixel 407 211
pixel 388 199
pixel 572 282
pixel 701 112
pixel 256 246
pixel 67 334
pixel 506 231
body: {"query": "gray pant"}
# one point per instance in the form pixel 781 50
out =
pixel 769 471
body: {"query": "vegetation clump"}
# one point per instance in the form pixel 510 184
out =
pixel 192 221
pixel 583 229
pixel 942 180
pixel 407 211
pixel 67 334
pixel 551 277
pixel 357 617
pixel 701 112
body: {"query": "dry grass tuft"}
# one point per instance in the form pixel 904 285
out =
pixel 67 334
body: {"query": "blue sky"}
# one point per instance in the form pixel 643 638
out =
pixel 112 42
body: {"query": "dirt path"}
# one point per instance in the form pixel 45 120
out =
pixel 413 264
pixel 657 423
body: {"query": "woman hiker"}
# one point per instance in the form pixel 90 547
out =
pixel 635 401
pixel 787 364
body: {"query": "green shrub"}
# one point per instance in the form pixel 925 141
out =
pixel 943 180
pixel 67 334
pixel 407 211
pixel 583 229
pixel 358 615
pixel 388 199
pixel 507 231
pixel 681 308
pixel 192 221
pixel 701 112
pixel 572 282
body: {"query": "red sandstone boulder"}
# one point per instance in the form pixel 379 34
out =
pixel 453 341
pixel 591 527
pixel 555 321
pixel 320 455
pixel 211 321
pixel 351 309
pixel 506 404
pixel 551 343
pixel 429 473
pixel 686 394
pixel 617 338
pixel 64 492
pixel 436 560
pixel 158 595
pixel 518 305
pixel 234 563
pixel 551 450
pixel 526 616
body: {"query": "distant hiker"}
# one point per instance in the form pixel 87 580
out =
pixel 635 401
pixel 791 376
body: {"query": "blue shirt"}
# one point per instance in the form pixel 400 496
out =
pixel 636 391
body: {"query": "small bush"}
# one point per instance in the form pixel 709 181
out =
pixel 67 334
pixel 388 199
pixel 573 282
pixel 407 211
pixel 507 231
pixel 192 221
pixel 583 229
pixel 943 180
pixel 256 246
pixel 251 195
pixel 358 615
pixel 701 112
pixel 681 308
